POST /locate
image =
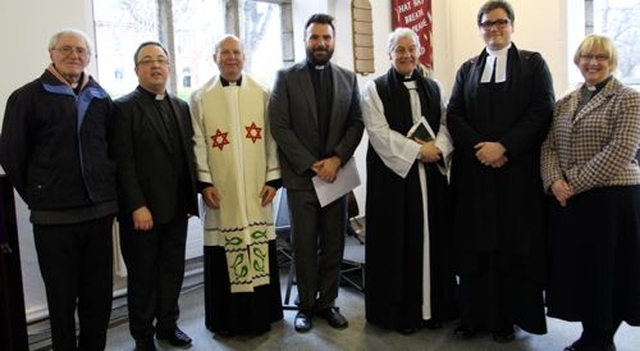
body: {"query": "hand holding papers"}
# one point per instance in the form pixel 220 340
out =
pixel 346 180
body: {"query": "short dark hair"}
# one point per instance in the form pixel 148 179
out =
pixel 147 43
pixel 321 18
pixel 496 4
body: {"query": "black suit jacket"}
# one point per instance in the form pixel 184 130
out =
pixel 146 175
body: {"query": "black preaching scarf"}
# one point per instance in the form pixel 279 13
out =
pixel 397 102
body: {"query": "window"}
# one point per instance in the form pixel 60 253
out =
pixel 189 29
pixel 618 20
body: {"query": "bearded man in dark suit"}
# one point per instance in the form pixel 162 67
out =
pixel 316 121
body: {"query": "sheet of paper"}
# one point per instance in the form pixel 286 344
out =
pixel 346 180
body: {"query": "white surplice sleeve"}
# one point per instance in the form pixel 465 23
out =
pixel 396 150
pixel 443 139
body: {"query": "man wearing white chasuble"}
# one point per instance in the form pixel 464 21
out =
pixel 238 175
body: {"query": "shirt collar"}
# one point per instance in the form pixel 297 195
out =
pixel 226 83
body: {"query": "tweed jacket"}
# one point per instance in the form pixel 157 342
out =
pixel 596 147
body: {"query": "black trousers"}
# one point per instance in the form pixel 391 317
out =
pixel 155 271
pixel 318 244
pixel 76 262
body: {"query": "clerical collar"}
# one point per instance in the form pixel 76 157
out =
pixel 316 66
pixel 226 83
pixel 596 88
pixel 496 61
pixel 158 97
pixel 406 78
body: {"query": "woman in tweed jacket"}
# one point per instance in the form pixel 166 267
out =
pixel 588 165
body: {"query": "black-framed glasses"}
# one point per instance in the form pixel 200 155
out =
pixel 499 24
pixel 149 61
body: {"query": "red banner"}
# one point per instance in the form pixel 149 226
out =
pixel 416 14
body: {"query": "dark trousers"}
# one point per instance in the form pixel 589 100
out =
pixel 155 271
pixel 76 262
pixel 318 244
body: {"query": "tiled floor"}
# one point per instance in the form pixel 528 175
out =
pixel 360 336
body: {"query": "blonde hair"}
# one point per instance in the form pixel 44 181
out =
pixel 600 42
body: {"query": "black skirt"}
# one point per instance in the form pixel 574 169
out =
pixel 239 313
pixel 595 268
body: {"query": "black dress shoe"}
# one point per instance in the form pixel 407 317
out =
pixel 465 332
pixel 503 336
pixel 302 322
pixel 224 333
pixel 432 324
pixel 407 330
pixel 175 337
pixel 581 345
pixel 334 317
pixel 145 345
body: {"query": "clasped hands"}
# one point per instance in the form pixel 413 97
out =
pixel 562 191
pixel 429 152
pixel 212 196
pixel 491 154
pixel 327 169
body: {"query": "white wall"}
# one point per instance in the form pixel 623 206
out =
pixel 25 27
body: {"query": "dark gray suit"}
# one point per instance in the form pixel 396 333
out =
pixel 156 169
pixel 318 232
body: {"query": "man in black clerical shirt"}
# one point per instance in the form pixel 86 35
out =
pixel 156 180
pixel 317 123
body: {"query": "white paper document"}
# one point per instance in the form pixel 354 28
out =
pixel 346 180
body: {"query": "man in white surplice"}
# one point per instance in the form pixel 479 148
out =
pixel 410 281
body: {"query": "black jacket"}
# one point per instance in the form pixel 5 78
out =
pixel 54 145
pixel 147 173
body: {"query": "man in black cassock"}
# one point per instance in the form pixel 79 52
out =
pixel 498 116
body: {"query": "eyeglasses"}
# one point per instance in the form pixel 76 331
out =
pixel 599 58
pixel 68 50
pixel 160 61
pixel 499 24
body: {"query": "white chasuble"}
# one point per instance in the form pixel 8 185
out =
pixel 235 153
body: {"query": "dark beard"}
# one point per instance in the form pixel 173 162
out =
pixel 318 62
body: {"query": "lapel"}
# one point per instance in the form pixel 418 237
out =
pixel 303 82
pixel 149 112
pixel 337 93
pixel 601 98
pixel 179 118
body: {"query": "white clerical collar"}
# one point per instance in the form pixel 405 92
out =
pixel 497 58
pixel 160 96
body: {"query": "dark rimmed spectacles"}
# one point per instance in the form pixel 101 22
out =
pixel 499 24
pixel 147 62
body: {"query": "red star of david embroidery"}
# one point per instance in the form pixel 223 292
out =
pixel 219 140
pixel 253 132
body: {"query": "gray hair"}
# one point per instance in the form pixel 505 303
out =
pixel 72 32
pixel 401 32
